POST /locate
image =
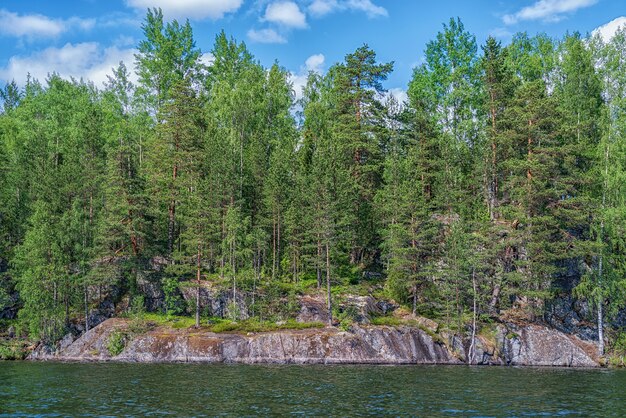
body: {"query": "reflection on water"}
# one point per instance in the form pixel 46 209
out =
pixel 57 389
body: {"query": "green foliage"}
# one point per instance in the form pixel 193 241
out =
pixel 172 321
pixel 173 300
pixel 389 321
pixel 137 314
pixel 116 342
pixel 619 345
pixel 13 349
pixel 4 296
pixel 617 354
pixel 254 325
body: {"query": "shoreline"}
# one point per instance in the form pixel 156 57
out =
pixel 529 346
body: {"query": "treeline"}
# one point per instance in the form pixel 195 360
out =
pixel 501 176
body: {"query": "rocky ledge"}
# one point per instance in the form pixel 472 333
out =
pixel 531 345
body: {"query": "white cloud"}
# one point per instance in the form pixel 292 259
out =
pixel 39 26
pixel 285 13
pixel 500 33
pixel 321 8
pixel 192 9
pixel 86 60
pixel 266 36
pixel 313 63
pixel 117 19
pixel 547 10
pixel 607 31
pixel 207 59
pixel 400 95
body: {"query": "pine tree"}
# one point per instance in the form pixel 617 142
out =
pixel 166 57
pixel 185 126
pixel 357 112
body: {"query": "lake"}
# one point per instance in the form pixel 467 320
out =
pixel 113 389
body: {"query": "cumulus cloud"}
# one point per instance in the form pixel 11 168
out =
pixel 313 63
pixel 607 31
pixel 86 60
pixel 39 26
pixel 116 19
pixel 286 13
pixel 547 10
pixel 266 36
pixel 207 59
pixel 400 95
pixel 191 9
pixel 501 33
pixel 321 8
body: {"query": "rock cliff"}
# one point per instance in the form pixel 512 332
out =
pixel 531 345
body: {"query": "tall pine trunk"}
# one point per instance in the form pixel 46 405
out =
pixel 329 301
pixel 198 266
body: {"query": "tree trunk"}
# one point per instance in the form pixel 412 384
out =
pixel 274 249
pixel 318 268
pixel 529 173
pixel 278 241
pixel 600 285
pixel 257 269
pixel 198 267
pixel 233 265
pixel 493 193
pixel 86 308
pixel 414 263
pixel 330 307
pixel 600 327
pixel 172 211
pixel 170 226
pixel 472 348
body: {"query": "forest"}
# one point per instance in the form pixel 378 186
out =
pixel 498 186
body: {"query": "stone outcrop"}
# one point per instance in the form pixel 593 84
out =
pixel 359 309
pixel 216 302
pixel 363 345
pixel 312 309
pixel 535 345
pixel 530 345
pixel 527 345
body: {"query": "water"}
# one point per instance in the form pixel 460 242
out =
pixel 58 389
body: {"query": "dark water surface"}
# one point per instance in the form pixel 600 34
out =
pixel 58 389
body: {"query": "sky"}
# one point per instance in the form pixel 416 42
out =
pixel 86 38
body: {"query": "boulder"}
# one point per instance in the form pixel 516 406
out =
pixel 571 316
pixel 216 302
pixel 536 345
pixel 360 308
pixel 312 309
pixel 149 285
pixel 65 342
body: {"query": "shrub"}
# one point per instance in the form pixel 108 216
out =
pixel 254 325
pixel 386 320
pixel 137 313
pixel 116 342
pixel 13 350
pixel 173 301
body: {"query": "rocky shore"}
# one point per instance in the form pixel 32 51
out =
pixel 530 345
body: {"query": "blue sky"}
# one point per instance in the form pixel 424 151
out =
pixel 85 38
